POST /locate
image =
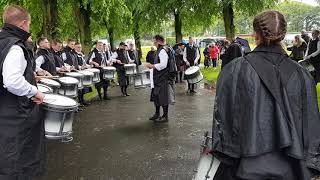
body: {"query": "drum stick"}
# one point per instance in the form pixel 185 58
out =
pixel 47 77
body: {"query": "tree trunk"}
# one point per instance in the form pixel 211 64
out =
pixel 50 18
pixel 110 30
pixel 228 18
pixel 178 25
pixel 136 30
pixel 82 14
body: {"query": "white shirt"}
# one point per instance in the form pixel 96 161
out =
pixel 115 56
pixel 314 54
pixel 39 61
pixel 94 55
pixel 13 69
pixel 185 55
pixel 163 56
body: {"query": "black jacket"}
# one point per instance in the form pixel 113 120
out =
pixel 266 111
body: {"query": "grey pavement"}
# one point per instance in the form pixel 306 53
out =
pixel 114 140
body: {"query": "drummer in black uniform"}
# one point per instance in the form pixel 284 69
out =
pixel 191 57
pixel 313 53
pixel 82 65
pixel 121 57
pixel 45 63
pixel 56 46
pixel 98 60
pixel 21 128
pixel 69 56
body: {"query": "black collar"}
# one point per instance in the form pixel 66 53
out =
pixel 15 31
pixel 273 48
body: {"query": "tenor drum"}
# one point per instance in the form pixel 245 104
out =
pixel 96 77
pixel 78 76
pixel 51 83
pixel 108 72
pixel 193 75
pixel 69 86
pixel 44 88
pixel 88 78
pixel 307 65
pixel 130 69
pixel 142 79
pixel 58 116
pixel 208 164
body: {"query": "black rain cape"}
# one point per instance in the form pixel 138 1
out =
pixel 266 118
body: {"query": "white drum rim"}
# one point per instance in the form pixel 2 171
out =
pixel 50 82
pixel 94 70
pixel 59 106
pixel 50 90
pixel 109 68
pixel 87 73
pixel 130 65
pixel 74 74
pixel 191 70
pixel 63 81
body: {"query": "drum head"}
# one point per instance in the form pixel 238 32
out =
pixel 74 74
pixel 87 73
pixel 68 80
pixel 44 89
pixel 192 70
pixel 95 70
pixel 50 82
pixel 59 101
pixel 130 65
pixel 109 68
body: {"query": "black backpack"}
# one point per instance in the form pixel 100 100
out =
pixel 173 70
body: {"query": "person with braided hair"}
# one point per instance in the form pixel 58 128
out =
pixel 266 118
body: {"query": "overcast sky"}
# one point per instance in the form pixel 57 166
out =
pixel 311 2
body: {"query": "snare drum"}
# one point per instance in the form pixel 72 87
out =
pixel 58 116
pixel 44 88
pixel 96 77
pixel 78 76
pixel 193 75
pixel 208 164
pixel 130 69
pixel 88 78
pixel 142 79
pixel 51 83
pixel 108 72
pixel 69 86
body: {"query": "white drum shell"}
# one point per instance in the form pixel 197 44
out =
pixel 96 72
pixel 142 79
pixel 108 72
pixel 204 167
pixel 130 69
pixel 69 89
pixel 78 76
pixel 58 119
pixel 193 75
pixel 88 78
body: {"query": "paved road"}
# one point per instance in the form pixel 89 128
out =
pixel 115 140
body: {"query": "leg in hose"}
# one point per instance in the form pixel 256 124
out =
pixel 156 114
pixel 125 90
pixel 105 93
pixel 99 91
pixel 164 117
pixel 122 91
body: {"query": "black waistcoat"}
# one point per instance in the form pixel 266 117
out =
pixel 80 59
pixel 71 57
pixel 313 48
pixel 122 56
pixel 8 38
pixel 98 57
pixel 160 76
pixel 191 54
pixel 57 58
pixel 49 62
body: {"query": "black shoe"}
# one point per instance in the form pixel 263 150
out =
pixel 154 117
pixel 193 91
pixel 81 105
pixel 162 119
pixel 106 98
pixel 100 97
pixel 124 95
pixel 128 94
pixel 79 109
pixel 86 104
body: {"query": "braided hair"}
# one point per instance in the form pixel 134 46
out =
pixel 271 26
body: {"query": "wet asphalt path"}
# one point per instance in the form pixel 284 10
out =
pixel 114 140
